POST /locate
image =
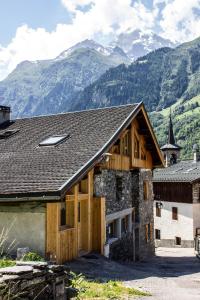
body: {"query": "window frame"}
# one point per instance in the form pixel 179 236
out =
pixel 175 213
pixel 178 240
pixel 158 210
pixel 45 142
pixel 157 234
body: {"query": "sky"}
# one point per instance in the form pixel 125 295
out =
pixel 42 29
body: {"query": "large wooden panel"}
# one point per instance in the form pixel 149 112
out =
pixel 173 191
pixel 67 245
pixel 52 228
pixel 99 225
pixel 118 162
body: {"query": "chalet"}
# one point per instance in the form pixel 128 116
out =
pixel 177 197
pixel 78 182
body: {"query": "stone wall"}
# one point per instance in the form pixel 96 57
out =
pixel 28 281
pixel 196 192
pixel 170 243
pixel 105 185
pixel 123 249
pixel 132 195
pixel 143 213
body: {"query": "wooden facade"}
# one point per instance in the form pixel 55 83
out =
pixel 84 225
pixel 180 192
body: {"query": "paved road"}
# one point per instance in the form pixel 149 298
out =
pixel 174 274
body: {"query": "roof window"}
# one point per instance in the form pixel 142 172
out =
pixel 54 140
pixel 189 170
pixel 6 134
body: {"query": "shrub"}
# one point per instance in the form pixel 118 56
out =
pixel 32 256
pixel 6 263
pixel 6 247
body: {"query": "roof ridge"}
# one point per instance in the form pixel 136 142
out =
pixel 81 111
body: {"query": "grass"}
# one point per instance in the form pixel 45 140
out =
pixel 109 290
pixel 6 263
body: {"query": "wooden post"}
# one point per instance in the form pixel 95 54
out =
pixel 89 208
pixel 76 190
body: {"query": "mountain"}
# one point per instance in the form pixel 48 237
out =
pixel 159 79
pixel 138 43
pixel 44 87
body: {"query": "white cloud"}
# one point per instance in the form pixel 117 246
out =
pixel 100 18
pixel 72 5
pixel 179 20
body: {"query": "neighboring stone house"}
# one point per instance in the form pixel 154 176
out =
pixel 78 182
pixel 177 197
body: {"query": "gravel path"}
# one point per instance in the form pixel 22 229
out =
pixel 173 274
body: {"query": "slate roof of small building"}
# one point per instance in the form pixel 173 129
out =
pixel 183 171
pixel 170 147
pixel 27 168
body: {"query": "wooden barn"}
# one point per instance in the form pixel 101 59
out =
pixel 78 182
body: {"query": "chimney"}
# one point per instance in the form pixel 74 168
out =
pixel 195 150
pixel 4 114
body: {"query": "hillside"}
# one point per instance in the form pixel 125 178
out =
pixel 46 87
pixel 159 79
pixel 186 120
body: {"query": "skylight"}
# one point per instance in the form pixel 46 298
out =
pixel 54 140
pixel 6 134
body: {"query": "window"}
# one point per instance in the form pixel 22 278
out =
pixel 111 230
pixel 125 144
pixel 158 209
pixel 6 134
pixel 136 147
pixel 118 188
pixel 157 234
pixel 63 214
pixel 146 190
pixel 79 212
pixel 143 155
pixel 177 241
pixel 116 147
pixel 124 225
pixel 174 213
pixel 54 140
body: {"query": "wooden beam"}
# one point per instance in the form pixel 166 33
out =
pixel 89 207
pixel 76 190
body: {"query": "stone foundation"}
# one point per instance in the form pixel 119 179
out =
pixel 123 249
pixel 170 243
pixel 28 281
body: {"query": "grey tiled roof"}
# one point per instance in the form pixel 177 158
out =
pixel 183 171
pixel 170 147
pixel 27 168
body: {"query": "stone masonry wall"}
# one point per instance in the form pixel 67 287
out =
pixel 144 213
pixel 105 185
pixel 196 192
pixel 35 280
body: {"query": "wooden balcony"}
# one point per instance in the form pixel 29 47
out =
pixel 117 162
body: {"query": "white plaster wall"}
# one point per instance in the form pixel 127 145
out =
pixel 196 216
pixel 27 228
pixel 183 227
